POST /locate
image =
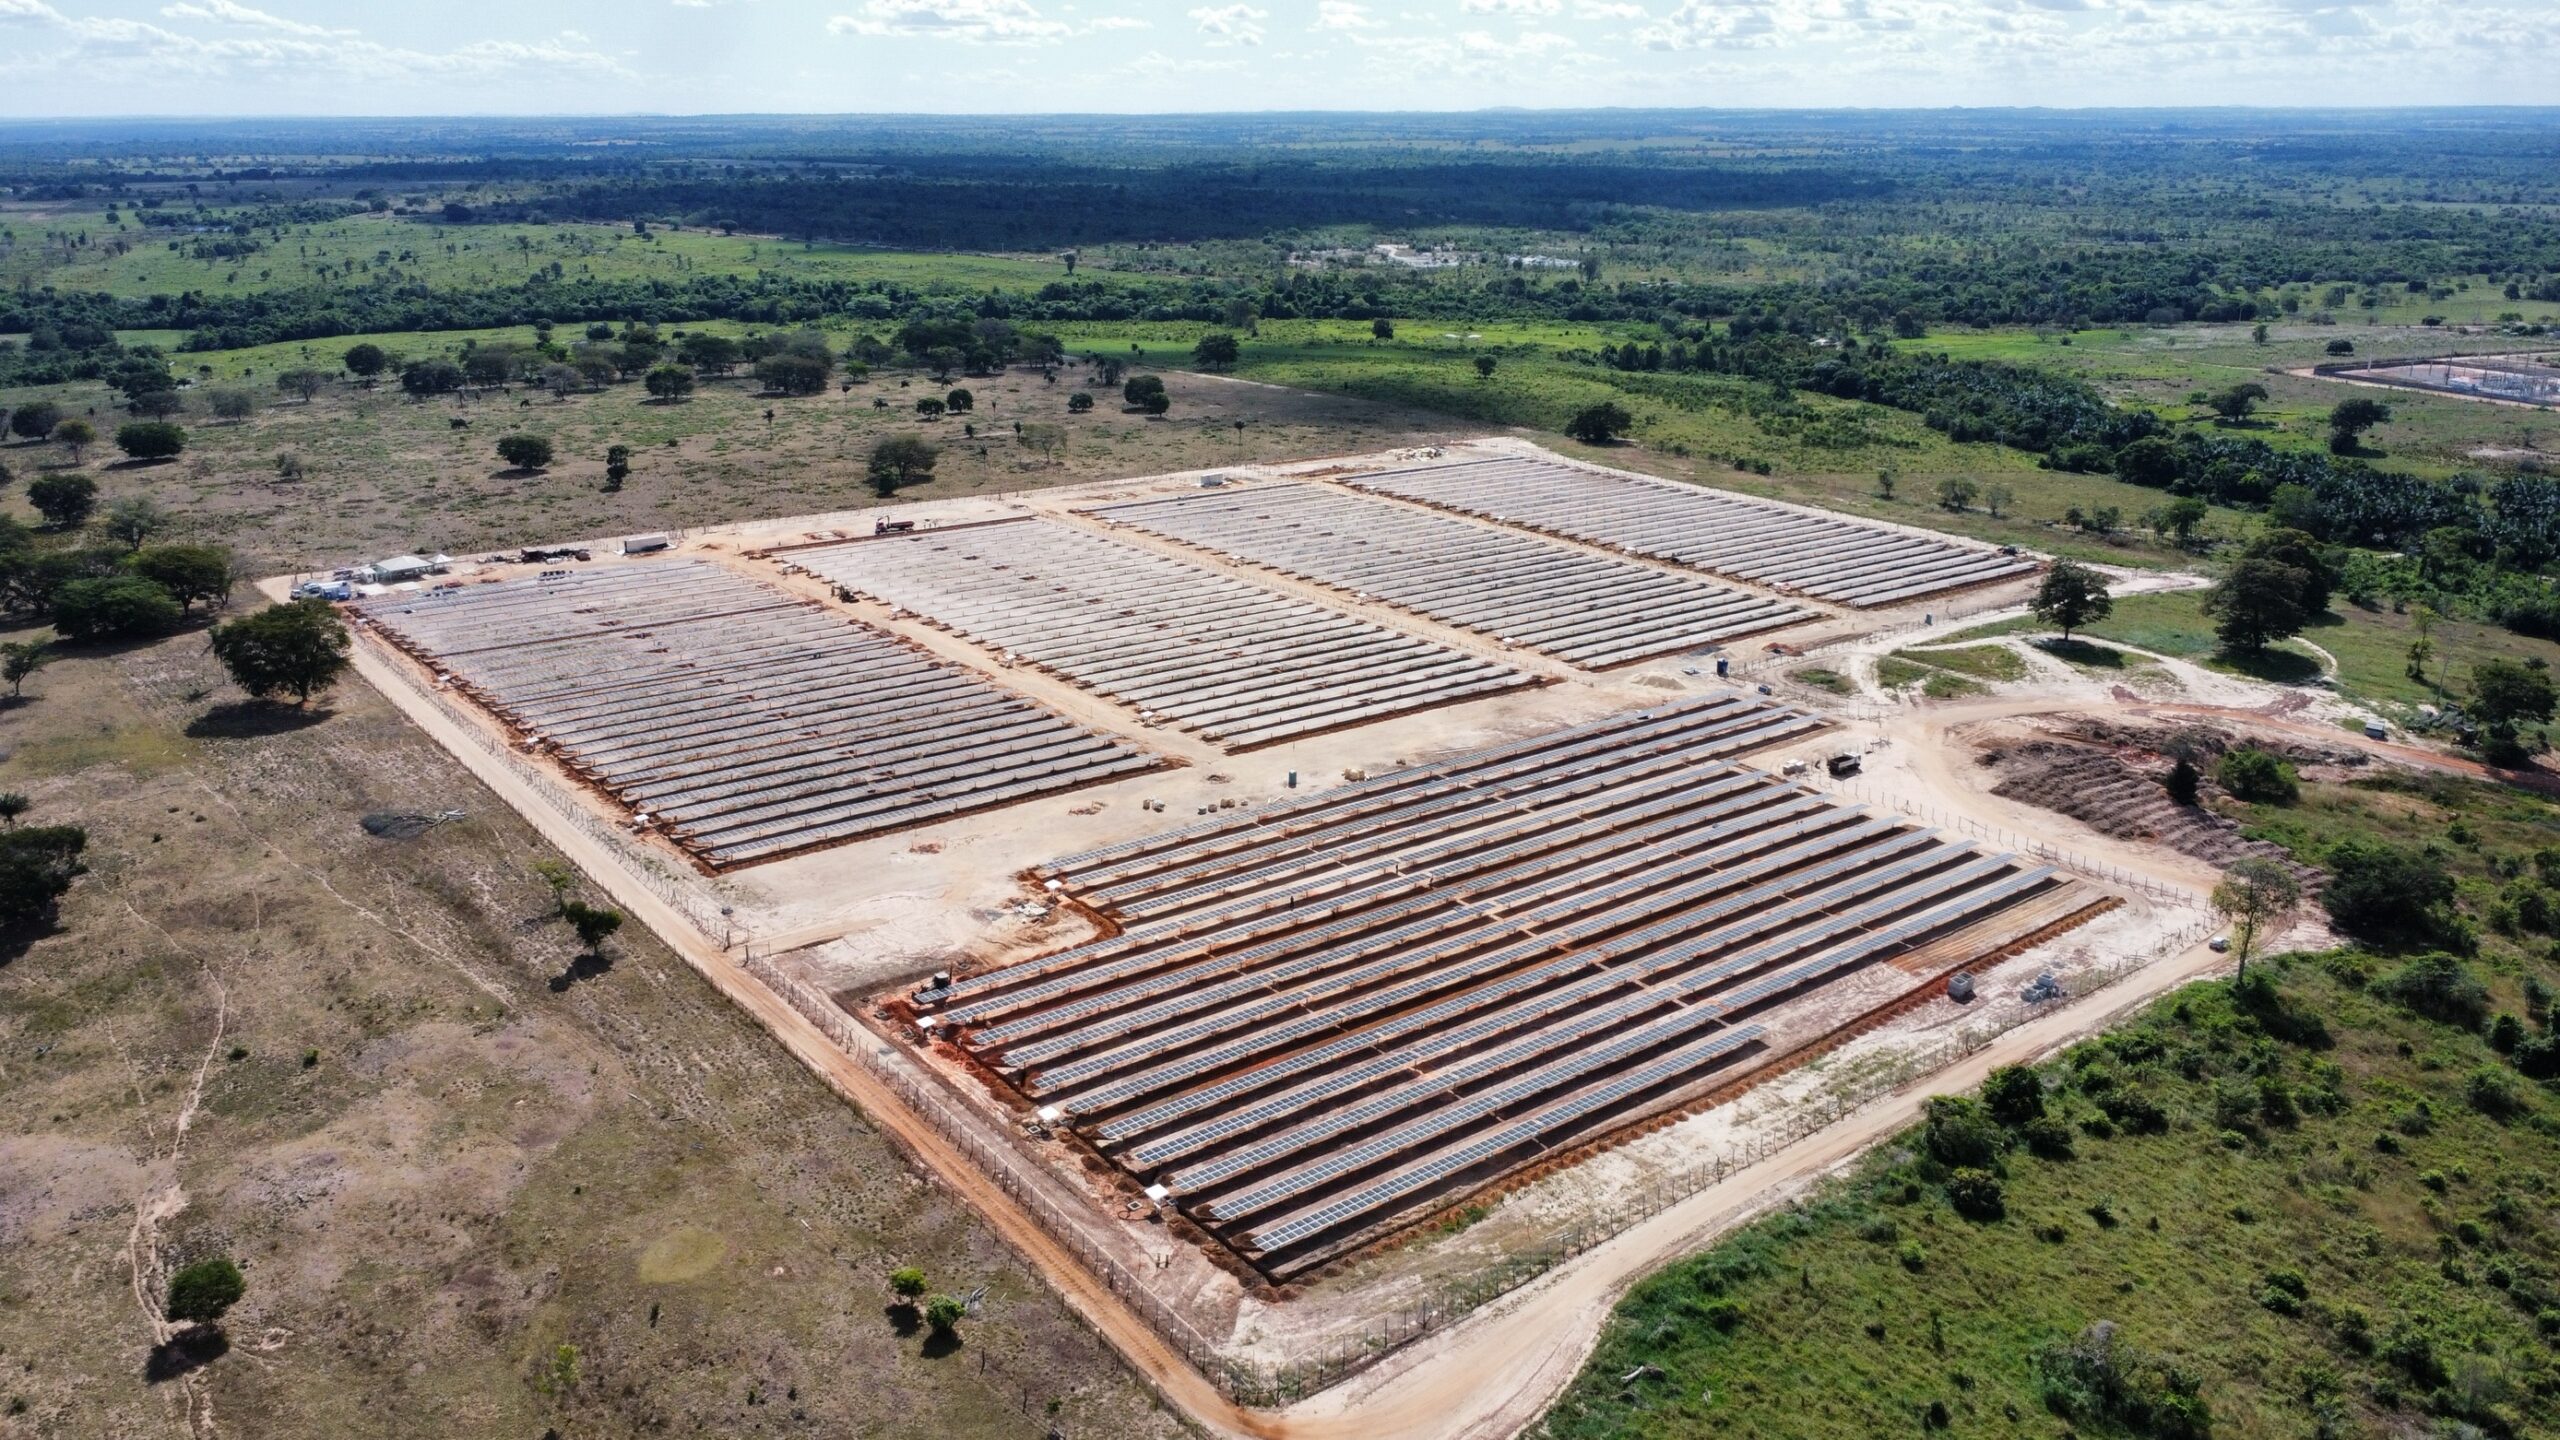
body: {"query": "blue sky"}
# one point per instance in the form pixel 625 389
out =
pixel 329 57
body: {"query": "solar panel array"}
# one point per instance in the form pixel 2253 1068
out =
pixel 1325 1013
pixel 750 722
pixel 1240 664
pixel 1519 589
pixel 1826 557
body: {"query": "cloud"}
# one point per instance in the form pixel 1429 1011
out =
pixel 1511 7
pixel 247 42
pixel 1231 24
pixel 1603 10
pixel 1344 15
pixel 1012 22
pixel 1701 24
pixel 226 13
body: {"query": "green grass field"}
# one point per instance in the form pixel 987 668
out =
pixel 48 248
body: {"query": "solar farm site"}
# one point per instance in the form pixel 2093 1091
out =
pixel 2519 379
pixel 1240 665
pixel 1518 589
pixel 1798 552
pixel 1319 1019
pixel 743 720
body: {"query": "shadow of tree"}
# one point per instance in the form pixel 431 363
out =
pixel 2278 667
pixel 941 1343
pixel 2083 652
pixel 190 1349
pixel 904 1317
pixel 585 967
pixel 254 719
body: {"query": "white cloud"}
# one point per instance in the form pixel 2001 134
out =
pixel 1231 24
pixel 227 13
pixel 972 21
pixel 249 43
pixel 1603 10
pixel 1344 15
pixel 1511 7
pixel 1699 24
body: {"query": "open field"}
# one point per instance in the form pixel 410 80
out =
pixel 440 1142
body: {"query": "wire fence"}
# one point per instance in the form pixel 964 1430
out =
pixel 1931 620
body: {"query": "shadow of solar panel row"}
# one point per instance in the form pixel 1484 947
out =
pixel 1518 589
pixel 750 722
pixel 1826 557
pixel 1241 665
pixel 1305 1071
pixel 1706 729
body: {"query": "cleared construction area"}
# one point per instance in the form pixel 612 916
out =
pixel 1519 589
pixel 1241 665
pixel 747 723
pixel 2524 379
pixel 1327 1017
pixel 1824 557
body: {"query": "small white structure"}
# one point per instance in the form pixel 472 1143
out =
pixel 646 544
pixel 399 568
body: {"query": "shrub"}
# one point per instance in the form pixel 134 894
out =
pixel 944 1313
pixel 1961 1134
pixel 151 439
pixel 908 1283
pixel 2385 893
pixel 2493 1093
pixel 2098 1380
pixel 2439 987
pixel 2257 777
pixel 1599 424
pixel 298 647
pixel 2047 1138
pixel 525 452
pixel 2014 1095
pixel 1976 1195
pixel 37 865
pixel 65 501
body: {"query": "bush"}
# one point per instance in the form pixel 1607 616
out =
pixel 1960 1134
pixel 200 1293
pixel 944 1313
pixel 908 1283
pixel 1147 393
pixel 188 572
pixel 2014 1095
pixel 2439 987
pixel 2257 777
pixel 1976 1195
pixel 792 373
pixel 2047 1138
pixel 2493 1093
pixel 525 452
pixel 1599 424
pixel 124 607
pixel 2386 894
pixel 151 439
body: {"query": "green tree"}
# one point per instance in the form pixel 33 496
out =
pixel 76 435
pixel 1599 424
pixel 2151 462
pixel 2297 548
pixel 134 519
pixel 151 439
pixel 1484 367
pixel 907 1284
pixel 1216 351
pixel 2255 893
pixel 932 407
pixel 557 876
pixel 298 647
pixel 203 1291
pixel 1956 493
pixel 794 373
pixel 2179 519
pixel 423 378
pixel 305 384
pixel 188 572
pixel 1382 328
pixel 1147 393
pixel 65 501
pixel 2506 694
pixel 899 461
pixel 2237 402
pixel 121 607
pixel 20 660
pixel 230 403
pixel 525 452
pixel 669 382
pixel 1996 498
pixel 1079 403
pixel 2350 418
pixel 617 466
pixel 365 361
pixel 2014 1095
pixel 2257 604
pixel 2072 595
pixel 2183 782
pixel 158 404
pixel 35 419
pixel 945 1312
pixel 960 402
pixel 595 924
pixel 1886 479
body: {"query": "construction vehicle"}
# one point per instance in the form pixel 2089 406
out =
pixel 1846 763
